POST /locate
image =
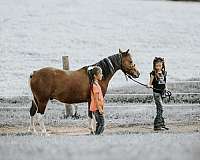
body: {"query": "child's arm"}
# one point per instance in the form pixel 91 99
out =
pixel 166 88
pixel 149 85
pixel 96 96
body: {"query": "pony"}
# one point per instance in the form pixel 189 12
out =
pixel 73 86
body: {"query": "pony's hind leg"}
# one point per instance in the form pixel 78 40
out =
pixel 40 114
pixel 41 123
pixel 33 110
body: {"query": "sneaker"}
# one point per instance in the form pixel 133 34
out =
pixel 159 129
pixel 164 127
pixel 92 133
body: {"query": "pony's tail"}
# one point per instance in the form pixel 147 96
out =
pixel 30 77
pixel 34 106
pixel 29 80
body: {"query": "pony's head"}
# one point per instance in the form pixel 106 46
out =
pixel 128 65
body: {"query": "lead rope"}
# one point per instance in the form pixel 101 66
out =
pixel 166 94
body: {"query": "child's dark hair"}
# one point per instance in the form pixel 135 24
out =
pixel 158 60
pixel 95 71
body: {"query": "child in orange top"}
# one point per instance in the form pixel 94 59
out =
pixel 97 100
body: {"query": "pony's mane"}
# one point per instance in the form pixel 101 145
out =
pixel 110 65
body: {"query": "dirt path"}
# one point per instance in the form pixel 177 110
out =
pixel 110 130
pixel 120 119
pixel 128 135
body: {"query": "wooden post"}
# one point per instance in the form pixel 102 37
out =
pixel 69 108
pixel 65 60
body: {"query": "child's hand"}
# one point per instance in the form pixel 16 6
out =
pixel 149 86
pixel 101 111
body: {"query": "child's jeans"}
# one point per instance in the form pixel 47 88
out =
pixel 100 122
pixel 159 120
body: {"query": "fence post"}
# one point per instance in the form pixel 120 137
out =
pixel 69 108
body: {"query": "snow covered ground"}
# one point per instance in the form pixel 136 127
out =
pixel 36 33
pixel 146 146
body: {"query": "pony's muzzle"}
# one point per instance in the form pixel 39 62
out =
pixel 137 75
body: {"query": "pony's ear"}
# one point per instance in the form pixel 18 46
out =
pixel 120 51
pixel 124 53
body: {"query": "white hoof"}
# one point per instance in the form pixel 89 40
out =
pixel 32 130
pixel 45 134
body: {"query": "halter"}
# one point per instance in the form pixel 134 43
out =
pixel 126 74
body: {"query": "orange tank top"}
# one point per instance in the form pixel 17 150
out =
pixel 96 90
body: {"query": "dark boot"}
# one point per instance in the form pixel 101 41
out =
pixel 163 124
pixel 158 129
pixel 100 130
pixel 159 124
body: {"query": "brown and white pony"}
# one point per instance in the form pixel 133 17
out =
pixel 73 86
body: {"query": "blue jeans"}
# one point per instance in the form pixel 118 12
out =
pixel 159 120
